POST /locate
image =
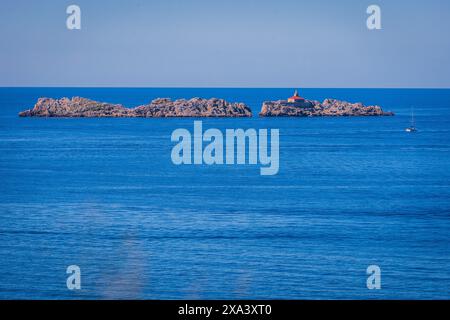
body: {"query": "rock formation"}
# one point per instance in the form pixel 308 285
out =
pixel 195 107
pixel 312 108
pixel 80 107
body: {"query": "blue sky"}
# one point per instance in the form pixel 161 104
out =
pixel 228 43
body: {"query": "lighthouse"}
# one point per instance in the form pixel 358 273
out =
pixel 295 98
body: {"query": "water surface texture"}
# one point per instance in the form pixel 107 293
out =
pixel 103 194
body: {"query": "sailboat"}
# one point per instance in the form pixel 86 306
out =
pixel 412 127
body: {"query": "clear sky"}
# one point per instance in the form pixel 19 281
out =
pixel 227 43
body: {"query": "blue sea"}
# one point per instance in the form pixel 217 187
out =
pixel 103 194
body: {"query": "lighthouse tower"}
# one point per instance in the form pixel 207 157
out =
pixel 295 98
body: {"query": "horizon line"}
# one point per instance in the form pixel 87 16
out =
pixel 224 87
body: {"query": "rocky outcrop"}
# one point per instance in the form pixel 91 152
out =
pixel 74 108
pixel 195 107
pixel 80 107
pixel 312 108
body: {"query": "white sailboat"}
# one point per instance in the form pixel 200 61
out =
pixel 412 127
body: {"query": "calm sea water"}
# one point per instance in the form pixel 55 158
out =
pixel 103 194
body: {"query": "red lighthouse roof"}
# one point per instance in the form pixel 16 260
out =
pixel 295 97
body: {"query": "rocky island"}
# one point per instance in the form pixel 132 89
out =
pixel 78 107
pixel 297 106
pixel 294 106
